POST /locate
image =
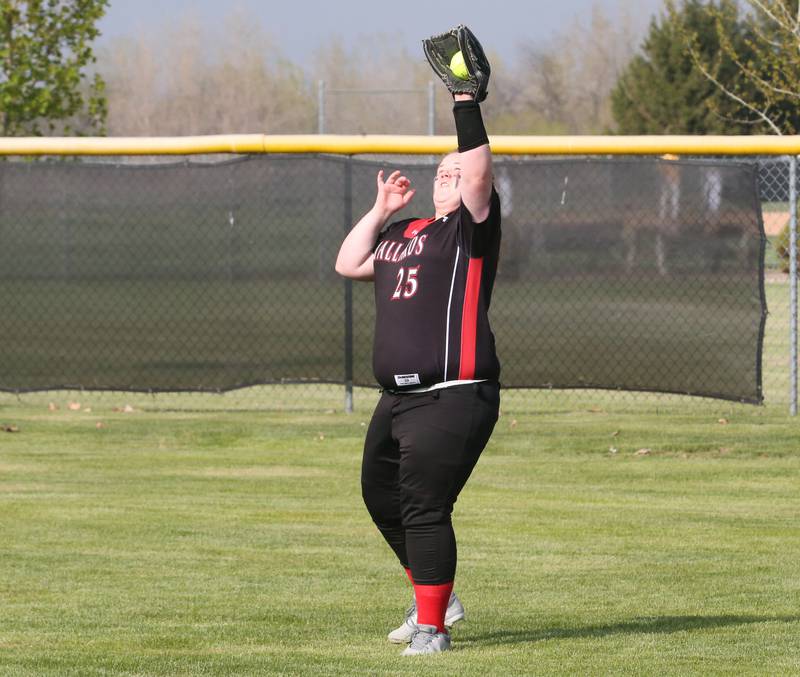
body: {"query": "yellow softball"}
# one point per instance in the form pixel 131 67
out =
pixel 458 66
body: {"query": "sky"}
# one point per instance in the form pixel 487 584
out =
pixel 299 26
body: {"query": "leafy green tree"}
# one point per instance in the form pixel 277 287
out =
pixel 765 83
pixel 663 91
pixel 45 52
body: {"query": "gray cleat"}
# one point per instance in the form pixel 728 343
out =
pixel 403 634
pixel 426 640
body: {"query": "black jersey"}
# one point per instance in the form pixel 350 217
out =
pixel 433 287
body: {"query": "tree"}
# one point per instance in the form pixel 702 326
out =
pixel 184 79
pixel 567 81
pixel 45 54
pixel 663 91
pixel 765 82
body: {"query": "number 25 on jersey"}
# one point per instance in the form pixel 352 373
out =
pixel 407 283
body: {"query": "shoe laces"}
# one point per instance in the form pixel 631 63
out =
pixel 421 639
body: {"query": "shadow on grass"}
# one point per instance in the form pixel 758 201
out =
pixel 655 625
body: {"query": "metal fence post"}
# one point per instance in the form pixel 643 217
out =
pixel 348 292
pixel 793 284
pixel 320 106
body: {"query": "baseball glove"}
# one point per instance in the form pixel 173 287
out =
pixel 439 51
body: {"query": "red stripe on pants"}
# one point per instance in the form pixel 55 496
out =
pixel 469 319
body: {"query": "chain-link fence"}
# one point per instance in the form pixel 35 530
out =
pixel 616 275
pixel 778 193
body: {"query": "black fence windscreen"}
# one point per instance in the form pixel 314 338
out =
pixel 626 274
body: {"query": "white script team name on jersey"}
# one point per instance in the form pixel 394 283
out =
pixel 395 252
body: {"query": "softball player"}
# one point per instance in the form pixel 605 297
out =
pixel 434 358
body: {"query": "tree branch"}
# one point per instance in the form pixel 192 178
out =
pixel 763 37
pixel 788 17
pixel 766 84
pixel 729 118
pixel 733 96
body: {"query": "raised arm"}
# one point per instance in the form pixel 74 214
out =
pixel 355 258
pixel 457 57
pixel 475 157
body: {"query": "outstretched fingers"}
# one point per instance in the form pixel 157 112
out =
pixel 395 181
pixel 395 192
pixel 393 177
pixel 391 180
pixel 402 184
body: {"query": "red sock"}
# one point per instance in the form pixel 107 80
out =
pixel 408 573
pixel 432 601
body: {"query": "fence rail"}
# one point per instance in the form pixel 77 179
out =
pixel 407 145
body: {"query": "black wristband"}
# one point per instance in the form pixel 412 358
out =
pixel 469 125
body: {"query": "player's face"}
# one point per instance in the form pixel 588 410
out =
pixel 447 184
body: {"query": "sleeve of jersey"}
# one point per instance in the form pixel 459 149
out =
pixel 477 237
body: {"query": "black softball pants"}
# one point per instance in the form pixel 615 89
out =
pixel 419 452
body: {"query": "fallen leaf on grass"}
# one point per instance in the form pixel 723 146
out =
pixel 9 429
pixel 724 450
pixel 99 425
pixel 87 410
pixel 643 452
pixel 74 406
pixel 596 410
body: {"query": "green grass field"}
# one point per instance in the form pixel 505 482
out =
pixel 204 535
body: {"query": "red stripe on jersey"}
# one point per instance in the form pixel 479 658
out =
pixel 469 319
pixel 417 226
